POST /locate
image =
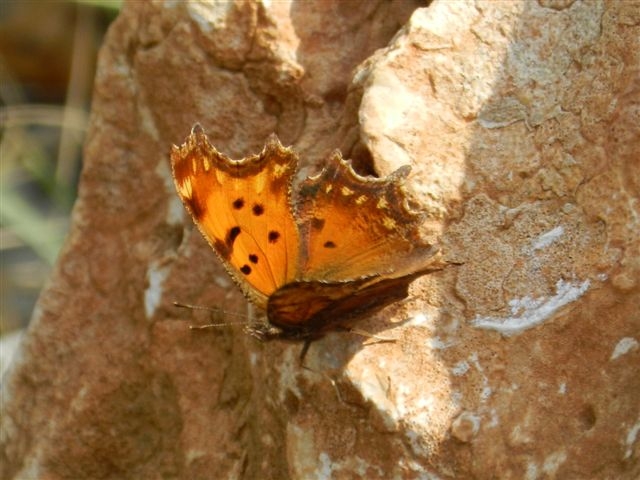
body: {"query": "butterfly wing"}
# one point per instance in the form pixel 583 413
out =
pixel 325 306
pixel 355 227
pixel 243 209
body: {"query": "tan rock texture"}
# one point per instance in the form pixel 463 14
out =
pixel 522 123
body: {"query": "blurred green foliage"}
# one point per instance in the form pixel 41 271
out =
pixel 48 54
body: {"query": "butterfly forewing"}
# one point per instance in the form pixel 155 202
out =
pixel 243 210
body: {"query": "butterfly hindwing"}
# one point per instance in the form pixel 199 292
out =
pixel 355 227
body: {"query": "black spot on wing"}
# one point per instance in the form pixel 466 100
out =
pixel 246 269
pixel 329 244
pixel 317 223
pixel 274 236
pixel 232 234
pixel 238 203
pixel 258 209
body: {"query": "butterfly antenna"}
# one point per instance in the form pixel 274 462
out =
pixel 216 311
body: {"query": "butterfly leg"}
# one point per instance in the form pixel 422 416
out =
pixel 303 352
pixel 364 333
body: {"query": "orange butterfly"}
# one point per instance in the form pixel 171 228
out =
pixel 344 245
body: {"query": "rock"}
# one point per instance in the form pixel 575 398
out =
pixel 520 120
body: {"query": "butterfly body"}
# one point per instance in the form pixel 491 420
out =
pixel 345 245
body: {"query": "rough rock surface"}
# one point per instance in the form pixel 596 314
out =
pixel 521 121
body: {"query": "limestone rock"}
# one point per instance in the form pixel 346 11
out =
pixel 520 120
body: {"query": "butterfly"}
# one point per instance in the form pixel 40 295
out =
pixel 341 246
